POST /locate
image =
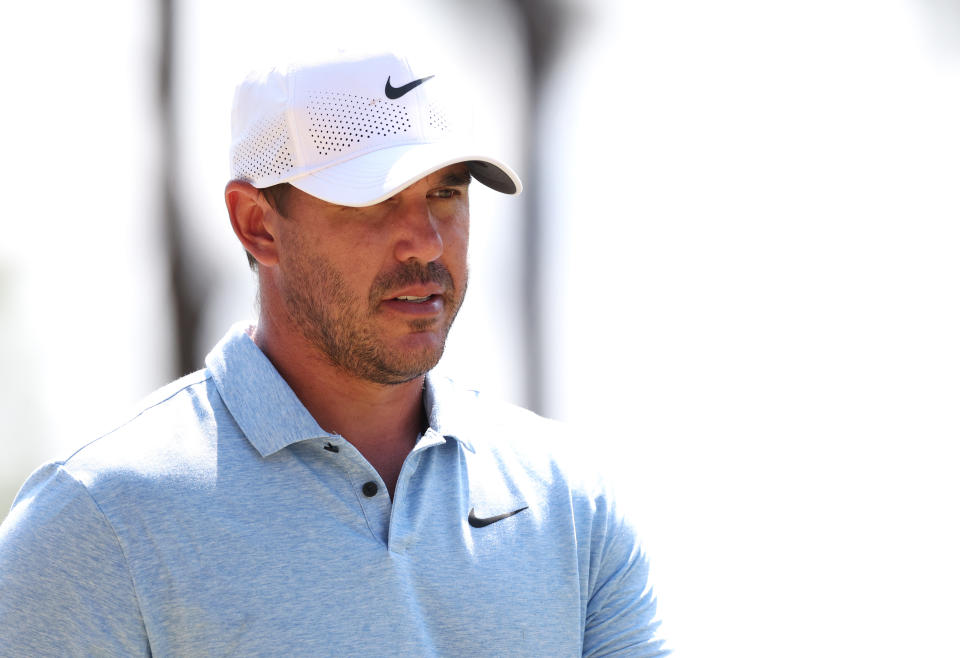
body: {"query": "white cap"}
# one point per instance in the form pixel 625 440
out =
pixel 353 131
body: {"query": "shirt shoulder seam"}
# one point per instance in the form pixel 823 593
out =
pixel 139 413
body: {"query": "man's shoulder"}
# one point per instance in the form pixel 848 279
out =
pixel 163 433
pixel 491 420
pixel 521 441
pixel 188 384
pixel 170 436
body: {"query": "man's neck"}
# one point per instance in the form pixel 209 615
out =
pixel 381 421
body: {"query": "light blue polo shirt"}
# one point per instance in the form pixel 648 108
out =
pixel 221 519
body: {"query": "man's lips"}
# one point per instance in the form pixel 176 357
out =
pixel 416 293
pixel 421 301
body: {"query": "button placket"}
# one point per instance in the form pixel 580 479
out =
pixel 400 528
pixel 375 503
pixel 367 487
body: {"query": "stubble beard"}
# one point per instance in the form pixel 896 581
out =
pixel 342 327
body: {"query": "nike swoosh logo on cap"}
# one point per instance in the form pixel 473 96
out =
pixel 394 93
pixel 478 522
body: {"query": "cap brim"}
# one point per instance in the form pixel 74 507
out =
pixel 372 177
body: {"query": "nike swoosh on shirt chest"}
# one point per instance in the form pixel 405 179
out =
pixel 481 522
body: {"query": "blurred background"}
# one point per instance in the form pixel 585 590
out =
pixel 734 268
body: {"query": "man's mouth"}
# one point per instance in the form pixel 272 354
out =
pixel 420 306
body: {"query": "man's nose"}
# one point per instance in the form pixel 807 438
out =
pixel 418 234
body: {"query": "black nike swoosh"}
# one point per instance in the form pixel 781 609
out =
pixel 396 92
pixel 477 522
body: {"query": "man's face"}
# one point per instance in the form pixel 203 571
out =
pixel 375 289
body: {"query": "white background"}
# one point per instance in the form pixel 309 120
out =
pixel 752 277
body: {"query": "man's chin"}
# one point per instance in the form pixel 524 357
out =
pixel 412 365
pixel 387 359
pixel 390 375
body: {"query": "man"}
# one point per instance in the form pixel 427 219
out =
pixel 314 490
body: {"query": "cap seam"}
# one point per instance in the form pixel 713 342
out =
pixel 290 116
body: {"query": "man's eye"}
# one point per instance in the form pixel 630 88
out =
pixel 446 193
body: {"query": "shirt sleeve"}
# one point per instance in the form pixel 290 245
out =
pixel 67 588
pixel 621 612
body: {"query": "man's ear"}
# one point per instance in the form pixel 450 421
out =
pixel 249 213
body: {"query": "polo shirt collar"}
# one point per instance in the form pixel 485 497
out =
pixel 448 409
pixel 260 400
pixel 272 417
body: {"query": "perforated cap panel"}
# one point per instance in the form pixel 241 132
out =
pixel 266 154
pixel 341 122
pixel 437 118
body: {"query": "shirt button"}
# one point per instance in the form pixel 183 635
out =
pixel 370 489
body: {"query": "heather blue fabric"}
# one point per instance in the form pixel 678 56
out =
pixel 222 519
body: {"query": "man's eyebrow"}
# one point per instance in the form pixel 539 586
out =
pixel 456 178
